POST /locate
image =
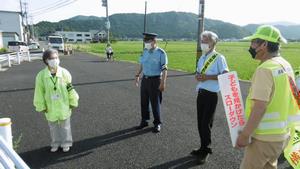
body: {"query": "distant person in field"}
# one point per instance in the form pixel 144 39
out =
pixel 209 66
pixel 153 66
pixel 271 105
pixel 55 96
pixel 109 52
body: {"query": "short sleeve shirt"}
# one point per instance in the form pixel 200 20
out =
pixel 218 67
pixel 153 62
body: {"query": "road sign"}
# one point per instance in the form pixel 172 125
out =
pixel 107 24
pixel 104 3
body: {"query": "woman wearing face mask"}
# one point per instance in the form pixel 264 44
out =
pixel 153 64
pixel 210 65
pixel 55 96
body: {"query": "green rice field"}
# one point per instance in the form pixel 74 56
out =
pixel 182 54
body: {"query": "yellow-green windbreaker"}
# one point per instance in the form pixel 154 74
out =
pixel 56 102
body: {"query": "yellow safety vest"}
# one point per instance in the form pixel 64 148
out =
pixel 282 110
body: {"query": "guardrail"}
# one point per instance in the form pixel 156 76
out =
pixel 9 159
pixel 15 161
pixel 15 58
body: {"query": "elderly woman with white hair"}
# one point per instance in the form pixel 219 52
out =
pixel 55 96
pixel 209 66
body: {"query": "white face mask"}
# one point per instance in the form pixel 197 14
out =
pixel 148 46
pixel 53 63
pixel 205 47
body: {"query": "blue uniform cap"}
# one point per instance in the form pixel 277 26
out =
pixel 149 36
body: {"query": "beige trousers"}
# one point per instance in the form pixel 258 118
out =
pixel 262 155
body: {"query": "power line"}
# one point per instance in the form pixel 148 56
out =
pixel 53 8
pixel 47 6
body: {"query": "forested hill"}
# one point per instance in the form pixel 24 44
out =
pixel 169 25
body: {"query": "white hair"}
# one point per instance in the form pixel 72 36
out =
pixel 213 37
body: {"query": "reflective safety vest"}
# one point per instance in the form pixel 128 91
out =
pixel 282 111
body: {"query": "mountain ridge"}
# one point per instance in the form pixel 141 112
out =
pixel 169 25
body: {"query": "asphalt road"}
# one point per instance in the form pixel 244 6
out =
pixel 103 125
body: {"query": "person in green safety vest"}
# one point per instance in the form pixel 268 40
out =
pixel 271 106
pixel 55 96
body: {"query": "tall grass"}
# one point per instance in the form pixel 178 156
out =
pixel 182 54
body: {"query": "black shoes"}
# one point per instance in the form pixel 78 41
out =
pixel 202 156
pixel 157 128
pixel 196 152
pixel 142 125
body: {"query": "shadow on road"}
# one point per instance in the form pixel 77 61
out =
pixel 282 160
pixel 181 163
pixel 91 83
pixel 96 61
pixel 42 157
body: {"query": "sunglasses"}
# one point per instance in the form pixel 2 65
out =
pixel 257 41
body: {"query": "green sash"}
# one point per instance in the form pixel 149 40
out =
pixel 208 63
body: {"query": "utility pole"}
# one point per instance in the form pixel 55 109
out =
pixel 22 18
pixel 32 28
pixel 27 25
pixel 105 4
pixel 200 29
pixel 145 21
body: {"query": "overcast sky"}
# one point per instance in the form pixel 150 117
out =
pixel 240 12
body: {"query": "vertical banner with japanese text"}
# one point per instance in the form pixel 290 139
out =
pixel 292 150
pixel 233 103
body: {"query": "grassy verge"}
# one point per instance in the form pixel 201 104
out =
pixel 182 54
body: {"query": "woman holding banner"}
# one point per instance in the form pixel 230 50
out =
pixel 210 65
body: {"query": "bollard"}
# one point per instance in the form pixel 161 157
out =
pixel 18 58
pixel 5 130
pixel 28 55
pixel 5 134
pixel 8 60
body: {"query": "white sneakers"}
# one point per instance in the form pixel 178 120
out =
pixel 54 149
pixel 65 149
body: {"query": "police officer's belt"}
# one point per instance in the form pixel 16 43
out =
pixel 208 63
pixel 151 77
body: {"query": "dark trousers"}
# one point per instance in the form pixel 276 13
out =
pixel 206 106
pixel 109 55
pixel 151 93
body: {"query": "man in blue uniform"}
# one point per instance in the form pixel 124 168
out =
pixel 153 65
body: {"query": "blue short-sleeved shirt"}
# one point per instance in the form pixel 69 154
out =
pixel 154 62
pixel 217 67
